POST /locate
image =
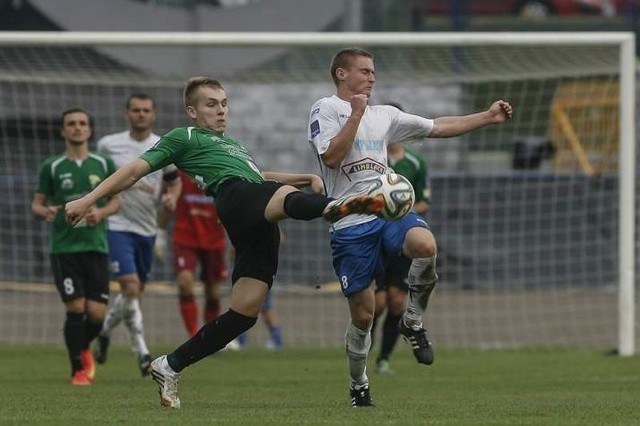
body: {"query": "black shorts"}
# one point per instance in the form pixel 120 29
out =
pixel 395 274
pixel 83 274
pixel 241 207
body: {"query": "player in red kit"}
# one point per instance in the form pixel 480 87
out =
pixel 198 239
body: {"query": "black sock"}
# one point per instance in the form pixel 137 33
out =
pixel 390 333
pixel 376 316
pixel 212 337
pixel 74 337
pixel 302 206
pixel 91 331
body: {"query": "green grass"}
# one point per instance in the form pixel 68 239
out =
pixel 305 386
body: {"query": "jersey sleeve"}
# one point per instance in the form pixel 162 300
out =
pixel 168 149
pixel 406 127
pixel 323 125
pixel 45 180
pixel 111 165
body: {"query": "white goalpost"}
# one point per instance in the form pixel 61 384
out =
pixel 536 255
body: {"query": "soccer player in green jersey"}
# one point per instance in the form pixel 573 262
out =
pixel 249 203
pixel 78 253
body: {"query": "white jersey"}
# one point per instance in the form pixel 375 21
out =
pixel 380 125
pixel 139 204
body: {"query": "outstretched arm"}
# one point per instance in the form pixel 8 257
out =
pixel 122 179
pixel 446 127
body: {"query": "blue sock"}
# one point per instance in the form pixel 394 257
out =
pixel 242 339
pixel 276 336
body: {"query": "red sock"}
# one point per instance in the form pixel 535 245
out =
pixel 189 311
pixel 211 309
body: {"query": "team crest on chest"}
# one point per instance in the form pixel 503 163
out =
pixel 66 184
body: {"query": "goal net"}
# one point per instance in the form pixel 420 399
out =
pixel 534 218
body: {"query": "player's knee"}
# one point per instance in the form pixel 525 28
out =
pixel 419 243
pixel 185 288
pixel 364 320
pixel 131 287
pixel 425 248
pixel 97 313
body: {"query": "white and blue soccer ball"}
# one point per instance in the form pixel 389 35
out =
pixel 398 195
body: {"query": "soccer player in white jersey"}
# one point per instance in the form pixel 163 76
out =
pixel 132 231
pixel 350 138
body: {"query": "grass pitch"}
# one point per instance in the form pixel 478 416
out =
pixel 307 386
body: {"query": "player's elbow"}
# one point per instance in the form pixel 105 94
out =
pixel 440 131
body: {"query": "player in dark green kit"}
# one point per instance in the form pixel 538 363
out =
pixel 249 203
pixel 79 253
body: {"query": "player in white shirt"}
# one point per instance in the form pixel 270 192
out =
pixel 350 138
pixel 132 232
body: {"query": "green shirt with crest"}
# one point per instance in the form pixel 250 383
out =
pixel 61 180
pixel 207 156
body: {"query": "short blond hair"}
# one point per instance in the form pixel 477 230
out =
pixel 344 59
pixel 192 86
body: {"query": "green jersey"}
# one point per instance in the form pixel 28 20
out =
pixel 207 156
pixel 414 167
pixel 62 180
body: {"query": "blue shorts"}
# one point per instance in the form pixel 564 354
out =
pixel 130 253
pixel 359 251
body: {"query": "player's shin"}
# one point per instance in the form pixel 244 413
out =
pixel 422 280
pixel 212 337
pixel 133 320
pixel 303 206
pixel 113 317
pixel 74 338
pixel 358 343
pixel 92 329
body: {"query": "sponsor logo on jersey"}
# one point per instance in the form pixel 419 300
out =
pixel 363 165
pixel 94 180
pixel 198 199
pixel 344 116
pixel 315 111
pixel 369 144
pixel 314 128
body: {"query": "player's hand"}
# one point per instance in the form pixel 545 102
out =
pixel 317 186
pixel 359 104
pixel 501 111
pixel 169 201
pixel 160 246
pixel 76 210
pixel 51 213
pixel 94 216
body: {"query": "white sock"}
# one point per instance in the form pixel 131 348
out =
pixel 113 317
pixel 133 321
pixel 422 279
pixel 358 343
